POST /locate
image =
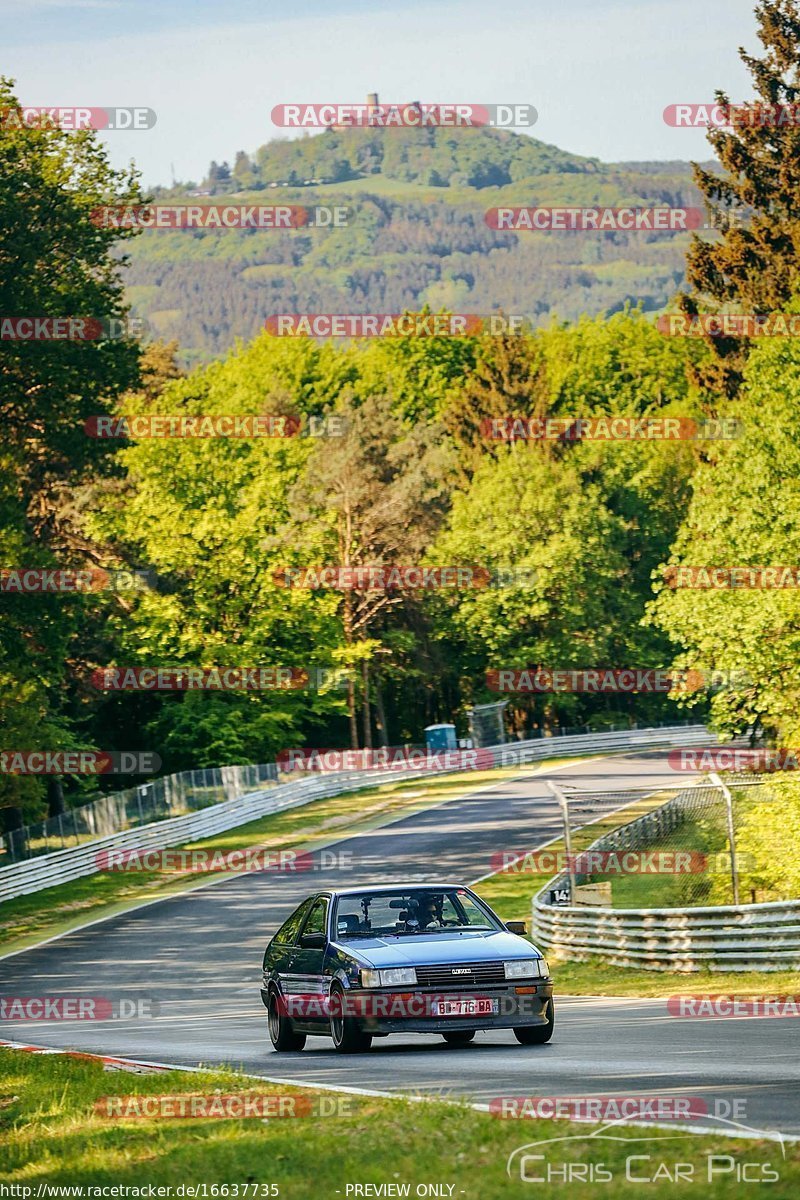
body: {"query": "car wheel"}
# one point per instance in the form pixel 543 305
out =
pixel 348 1036
pixel 281 1033
pixel 459 1037
pixel 536 1035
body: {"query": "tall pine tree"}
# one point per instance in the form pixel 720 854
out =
pixel 754 200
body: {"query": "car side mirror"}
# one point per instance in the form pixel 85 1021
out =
pixel 313 941
pixel 516 927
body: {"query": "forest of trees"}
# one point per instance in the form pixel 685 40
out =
pixel 408 243
pixel 589 527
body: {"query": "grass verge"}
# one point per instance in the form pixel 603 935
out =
pixel 53 1135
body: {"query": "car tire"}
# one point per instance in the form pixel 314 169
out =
pixel 347 1035
pixel 459 1037
pixel 281 1031
pixel 536 1035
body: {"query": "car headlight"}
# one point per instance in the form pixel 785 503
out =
pixel 525 968
pixel 394 977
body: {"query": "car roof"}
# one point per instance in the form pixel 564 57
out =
pixel 397 887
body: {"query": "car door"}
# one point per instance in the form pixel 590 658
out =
pixel 307 978
pixel 283 947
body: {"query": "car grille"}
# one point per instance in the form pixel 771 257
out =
pixel 461 974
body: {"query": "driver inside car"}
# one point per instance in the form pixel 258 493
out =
pixel 430 912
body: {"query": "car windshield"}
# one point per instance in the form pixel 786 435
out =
pixel 416 911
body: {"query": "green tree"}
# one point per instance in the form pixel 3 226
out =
pixel 528 514
pixel 243 171
pixel 55 261
pixel 754 199
pixel 508 378
pixel 376 497
pixel 208 516
pixel 423 375
pixel 745 511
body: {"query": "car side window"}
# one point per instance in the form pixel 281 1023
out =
pixel 287 934
pixel 318 917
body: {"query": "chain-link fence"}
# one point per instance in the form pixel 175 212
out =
pixel 595 725
pixel 487 725
pixel 184 793
pixel 170 796
pixel 731 840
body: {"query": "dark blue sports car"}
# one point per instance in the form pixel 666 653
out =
pixel 408 958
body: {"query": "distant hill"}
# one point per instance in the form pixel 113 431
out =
pixel 416 235
pixel 442 158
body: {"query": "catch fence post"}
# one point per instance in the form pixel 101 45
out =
pixel 726 791
pixel 564 806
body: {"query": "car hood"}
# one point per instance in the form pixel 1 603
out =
pixel 423 949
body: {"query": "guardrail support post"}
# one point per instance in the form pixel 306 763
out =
pixel 564 806
pixel 726 791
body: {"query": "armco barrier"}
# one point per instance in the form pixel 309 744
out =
pixel 151 800
pixel 747 937
pixel 744 937
pixel 48 870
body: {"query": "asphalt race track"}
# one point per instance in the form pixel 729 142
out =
pixel 198 957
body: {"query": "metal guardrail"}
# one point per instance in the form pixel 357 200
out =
pixel 163 798
pixel 750 937
pixel 152 800
pixel 743 937
pixel 62 866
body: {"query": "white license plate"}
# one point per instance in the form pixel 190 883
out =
pixel 478 1007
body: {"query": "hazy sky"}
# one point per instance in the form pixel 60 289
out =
pixel 599 73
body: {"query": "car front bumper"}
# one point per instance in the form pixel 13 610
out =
pixel 393 1012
